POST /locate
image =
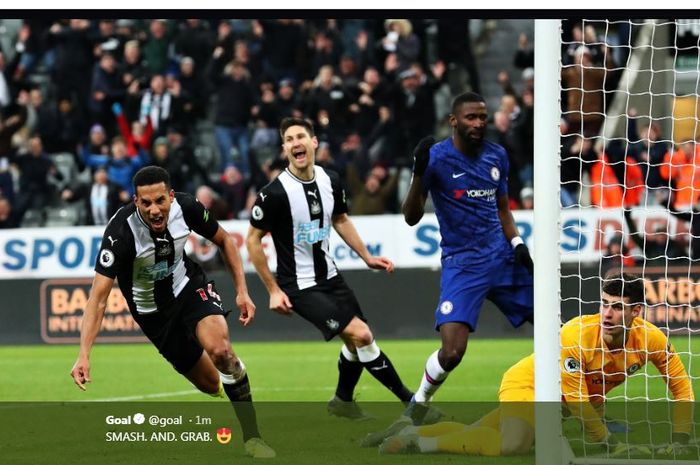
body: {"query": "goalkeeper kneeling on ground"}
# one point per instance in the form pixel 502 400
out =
pixel 598 352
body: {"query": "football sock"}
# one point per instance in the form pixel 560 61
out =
pixel 379 366
pixel 238 392
pixel 349 371
pixel 433 377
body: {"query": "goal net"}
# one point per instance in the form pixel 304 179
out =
pixel 629 203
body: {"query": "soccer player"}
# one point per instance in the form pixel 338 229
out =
pixel 598 353
pixel 299 208
pixel 483 257
pixel 169 295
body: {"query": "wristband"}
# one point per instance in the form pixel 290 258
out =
pixel 516 241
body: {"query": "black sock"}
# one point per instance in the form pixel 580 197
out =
pixel 382 369
pixel 348 375
pixel 242 401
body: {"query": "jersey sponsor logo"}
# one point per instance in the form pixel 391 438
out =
pixel 488 194
pixel 311 232
pixel 633 368
pixel 495 174
pixel 446 307
pixel 457 175
pixel 315 208
pixel 257 213
pixel 332 324
pixel 571 365
pixel 155 272
pixel 106 258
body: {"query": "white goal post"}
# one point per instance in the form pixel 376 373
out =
pixel 652 85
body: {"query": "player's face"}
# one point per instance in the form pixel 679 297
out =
pixel 299 147
pixel 617 314
pixel 153 202
pixel 469 122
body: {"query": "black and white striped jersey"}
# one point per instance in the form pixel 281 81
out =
pixel 152 268
pixel 298 215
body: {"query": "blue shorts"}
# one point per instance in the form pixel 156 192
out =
pixel 464 287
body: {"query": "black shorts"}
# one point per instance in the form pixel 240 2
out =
pixel 172 330
pixel 329 306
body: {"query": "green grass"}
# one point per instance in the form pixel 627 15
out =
pixel 291 382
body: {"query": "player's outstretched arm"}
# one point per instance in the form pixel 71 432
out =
pixel 230 252
pixel 414 204
pixel 279 301
pixel 346 229
pixel 90 327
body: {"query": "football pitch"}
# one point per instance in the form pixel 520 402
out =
pixel 291 382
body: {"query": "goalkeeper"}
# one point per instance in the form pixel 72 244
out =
pixel 616 335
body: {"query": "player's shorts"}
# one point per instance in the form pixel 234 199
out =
pixel 464 286
pixel 517 393
pixel 173 331
pixel 330 306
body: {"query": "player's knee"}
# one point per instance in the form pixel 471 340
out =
pixel 221 355
pixel 451 357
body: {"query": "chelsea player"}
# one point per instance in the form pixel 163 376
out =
pixel 483 256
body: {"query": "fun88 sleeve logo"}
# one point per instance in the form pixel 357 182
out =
pixel 311 232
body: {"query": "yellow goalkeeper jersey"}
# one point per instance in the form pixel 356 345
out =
pixel 589 370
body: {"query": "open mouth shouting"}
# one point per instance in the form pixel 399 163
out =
pixel 299 154
pixel 157 222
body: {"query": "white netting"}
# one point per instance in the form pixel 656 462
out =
pixel 630 185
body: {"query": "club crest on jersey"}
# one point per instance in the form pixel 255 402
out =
pixel 164 251
pixel 495 174
pixel 106 258
pixel 446 307
pixel 257 213
pixel 571 365
pixel 632 369
pixel 315 208
pixel 332 324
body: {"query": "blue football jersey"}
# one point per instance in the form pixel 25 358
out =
pixel 465 192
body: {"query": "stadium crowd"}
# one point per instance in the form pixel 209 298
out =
pixel 86 103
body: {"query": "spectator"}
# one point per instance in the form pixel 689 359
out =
pixel 155 51
pixel 678 170
pixel 102 198
pixel 371 197
pixel 120 167
pixel 455 50
pixel 107 89
pixel 97 143
pixel 35 169
pixel 159 104
pixel 235 98
pixel 8 218
pixel 402 42
pixel 584 84
pixel 71 127
pixel 133 69
pixel 657 246
pixel 288 103
pixel 525 55
pixel 195 40
pixel 527 198
pixel 232 188
pixel 138 135
pixel 616 180
pixel 649 150
pixel 192 172
pixel 194 91
pixel 74 59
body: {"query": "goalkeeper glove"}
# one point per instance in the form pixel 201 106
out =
pixel 675 449
pixel 522 254
pixel 421 155
pixel 623 449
